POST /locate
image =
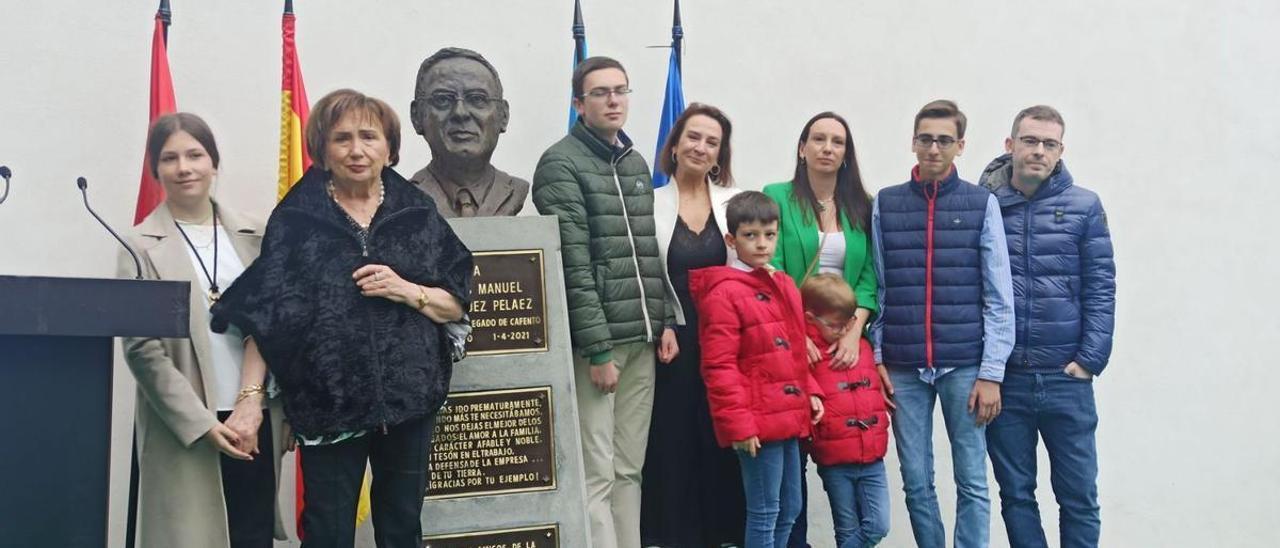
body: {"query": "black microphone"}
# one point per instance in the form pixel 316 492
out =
pixel 5 174
pixel 84 191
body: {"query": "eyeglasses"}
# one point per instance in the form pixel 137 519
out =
pixel 1050 145
pixel 601 93
pixel 446 101
pixel 925 141
pixel 838 327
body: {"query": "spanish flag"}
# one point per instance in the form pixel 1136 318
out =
pixel 150 193
pixel 294 159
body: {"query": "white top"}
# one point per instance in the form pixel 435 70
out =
pixel 226 349
pixel 831 256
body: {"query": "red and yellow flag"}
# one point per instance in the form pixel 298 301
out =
pixel 150 193
pixel 294 159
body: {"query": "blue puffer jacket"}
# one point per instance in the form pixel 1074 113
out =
pixel 1064 273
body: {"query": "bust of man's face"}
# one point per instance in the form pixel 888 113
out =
pixel 459 111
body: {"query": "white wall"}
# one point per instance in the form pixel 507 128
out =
pixel 1171 117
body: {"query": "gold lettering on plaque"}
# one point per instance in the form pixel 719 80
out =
pixel 492 442
pixel 508 307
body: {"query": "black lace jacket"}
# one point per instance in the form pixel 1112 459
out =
pixel 345 362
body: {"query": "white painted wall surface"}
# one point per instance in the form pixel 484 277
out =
pixel 1171 116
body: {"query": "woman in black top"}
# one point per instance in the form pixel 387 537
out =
pixel 692 490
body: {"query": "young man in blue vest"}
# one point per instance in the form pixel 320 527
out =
pixel 1065 297
pixel 946 323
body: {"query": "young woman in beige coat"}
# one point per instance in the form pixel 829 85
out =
pixel 209 440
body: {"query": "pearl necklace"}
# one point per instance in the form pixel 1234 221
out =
pixel 382 195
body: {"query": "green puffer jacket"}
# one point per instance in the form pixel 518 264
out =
pixel 614 282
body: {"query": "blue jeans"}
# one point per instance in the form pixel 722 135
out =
pixel 859 495
pixel 771 481
pixel 913 435
pixel 1060 409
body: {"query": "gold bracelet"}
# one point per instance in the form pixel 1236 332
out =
pixel 249 391
pixel 422 298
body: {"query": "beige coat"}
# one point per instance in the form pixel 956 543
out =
pixel 180 500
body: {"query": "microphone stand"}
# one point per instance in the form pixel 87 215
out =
pixel 5 174
pixel 84 186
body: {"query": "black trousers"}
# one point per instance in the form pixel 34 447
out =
pixel 332 474
pixel 249 486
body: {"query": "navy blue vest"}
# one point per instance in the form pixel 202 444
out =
pixel 932 279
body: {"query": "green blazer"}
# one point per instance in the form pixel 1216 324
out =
pixel 798 244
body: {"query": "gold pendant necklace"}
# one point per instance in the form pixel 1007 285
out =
pixel 213 294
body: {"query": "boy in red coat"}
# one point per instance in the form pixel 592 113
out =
pixel 849 442
pixel 762 399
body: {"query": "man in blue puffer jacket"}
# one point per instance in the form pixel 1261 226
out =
pixel 1064 280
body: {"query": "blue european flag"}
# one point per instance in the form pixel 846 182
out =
pixel 672 107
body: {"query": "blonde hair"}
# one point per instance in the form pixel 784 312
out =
pixel 824 293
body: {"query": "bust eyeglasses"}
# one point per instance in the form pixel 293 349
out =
pixel 474 100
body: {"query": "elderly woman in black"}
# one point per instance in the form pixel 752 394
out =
pixel 346 305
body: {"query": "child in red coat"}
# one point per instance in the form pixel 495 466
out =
pixel 849 442
pixel 754 365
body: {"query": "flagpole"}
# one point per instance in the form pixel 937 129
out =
pixel 166 17
pixel 579 52
pixel 677 38
pixel 579 34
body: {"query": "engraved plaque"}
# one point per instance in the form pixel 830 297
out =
pixel 508 307
pixel 515 371
pixel 545 536
pixel 492 442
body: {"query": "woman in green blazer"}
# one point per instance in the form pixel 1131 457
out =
pixel 825 222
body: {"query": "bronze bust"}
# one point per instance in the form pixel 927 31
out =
pixel 459 109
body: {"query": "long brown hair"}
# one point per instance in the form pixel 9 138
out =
pixel 851 196
pixel 668 165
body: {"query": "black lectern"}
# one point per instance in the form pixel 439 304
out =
pixel 56 357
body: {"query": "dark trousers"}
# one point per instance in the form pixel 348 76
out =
pixel 249 487
pixel 1059 409
pixel 332 475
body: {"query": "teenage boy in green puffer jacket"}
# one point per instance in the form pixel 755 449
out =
pixel 617 292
